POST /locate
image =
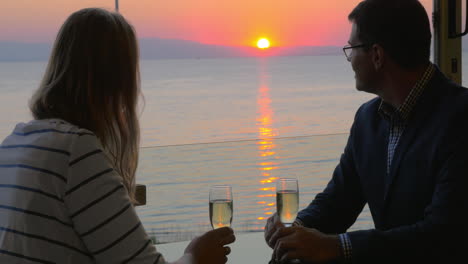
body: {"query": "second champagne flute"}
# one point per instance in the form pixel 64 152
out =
pixel 287 200
pixel 287 204
pixel 221 206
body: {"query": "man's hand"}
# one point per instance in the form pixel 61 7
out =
pixel 271 226
pixel 306 244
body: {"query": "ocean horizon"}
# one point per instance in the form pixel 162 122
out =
pixel 239 121
pixel 188 101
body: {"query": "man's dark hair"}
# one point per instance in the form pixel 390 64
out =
pixel 401 27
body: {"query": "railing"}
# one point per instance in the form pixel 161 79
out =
pixel 177 179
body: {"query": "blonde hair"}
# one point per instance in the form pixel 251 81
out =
pixel 93 81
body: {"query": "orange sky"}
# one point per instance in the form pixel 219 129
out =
pixel 225 22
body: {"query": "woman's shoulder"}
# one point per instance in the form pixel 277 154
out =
pixel 50 133
pixel 50 126
pixel 55 136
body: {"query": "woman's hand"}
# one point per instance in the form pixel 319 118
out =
pixel 210 248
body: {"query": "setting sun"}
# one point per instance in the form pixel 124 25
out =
pixel 263 43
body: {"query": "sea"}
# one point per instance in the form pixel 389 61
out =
pixel 244 122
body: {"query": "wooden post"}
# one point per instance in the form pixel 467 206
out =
pixel 447 50
pixel 140 194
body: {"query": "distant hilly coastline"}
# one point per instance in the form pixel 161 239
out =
pixel 156 48
pixel 18 51
pixel 182 49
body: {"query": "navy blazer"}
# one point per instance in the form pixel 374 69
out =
pixel 419 210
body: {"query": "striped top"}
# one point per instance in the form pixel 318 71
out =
pixel 61 201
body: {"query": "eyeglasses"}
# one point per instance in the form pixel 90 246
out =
pixel 348 49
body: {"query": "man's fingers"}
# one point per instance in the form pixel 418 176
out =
pixel 272 240
pixel 274 217
pixel 279 233
pixel 279 250
pixel 289 254
pixel 270 222
pixel 268 235
pixel 270 228
pixel 283 245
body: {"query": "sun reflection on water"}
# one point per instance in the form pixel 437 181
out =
pixel 267 155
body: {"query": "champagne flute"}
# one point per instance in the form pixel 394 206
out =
pixel 221 206
pixel 287 203
pixel 287 200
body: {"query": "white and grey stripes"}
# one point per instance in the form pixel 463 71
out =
pixel 346 247
pixel 61 201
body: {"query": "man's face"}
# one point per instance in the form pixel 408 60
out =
pixel 361 62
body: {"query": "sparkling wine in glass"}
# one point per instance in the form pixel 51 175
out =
pixel 287 200
pixel 221 206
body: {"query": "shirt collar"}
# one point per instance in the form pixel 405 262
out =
pixel 403 112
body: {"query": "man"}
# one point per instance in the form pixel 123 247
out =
pixel 406 156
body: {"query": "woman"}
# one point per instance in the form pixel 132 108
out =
pixel 67 177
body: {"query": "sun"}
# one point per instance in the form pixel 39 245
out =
pixel 263 43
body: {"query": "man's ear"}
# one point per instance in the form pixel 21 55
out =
pixel 378 56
